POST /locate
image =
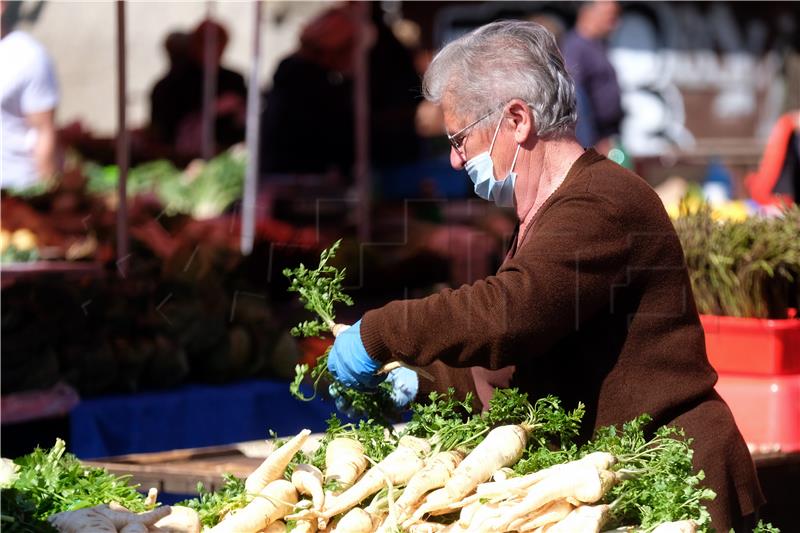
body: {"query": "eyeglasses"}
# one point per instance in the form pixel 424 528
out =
pixel 457 139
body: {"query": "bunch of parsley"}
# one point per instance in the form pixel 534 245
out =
pixel 319 290
pixel 52 481
pixel 212 506
pixel 659 483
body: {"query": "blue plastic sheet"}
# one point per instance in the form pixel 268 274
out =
pixel 189 417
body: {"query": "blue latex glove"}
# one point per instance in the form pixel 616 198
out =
pixel 405 385
pixel 350 363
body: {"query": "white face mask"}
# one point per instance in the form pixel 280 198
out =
pixel 481 171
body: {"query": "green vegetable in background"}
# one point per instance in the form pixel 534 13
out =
pixel 54 481
pixel 202 190
pixel 741 268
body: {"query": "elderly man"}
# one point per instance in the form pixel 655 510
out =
pixel 593 302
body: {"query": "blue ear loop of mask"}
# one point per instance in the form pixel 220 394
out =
pixel 481 171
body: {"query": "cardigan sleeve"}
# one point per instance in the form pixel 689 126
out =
pixel 562 275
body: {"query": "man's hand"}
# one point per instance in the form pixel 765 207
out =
pixel 405 385
pixel 350 363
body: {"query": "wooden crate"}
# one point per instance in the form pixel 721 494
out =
pixel 179 471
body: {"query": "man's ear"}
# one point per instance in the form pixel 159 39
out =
pixel 522 116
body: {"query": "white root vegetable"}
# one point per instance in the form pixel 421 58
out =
pixel 395 469
pixel 580 481
pixel 503 446
pixel 455 527
pixel 180 520
pixel 483 514
pixel 307 479
pixel 274 502
pixel 583 519
pixel 276 527
pixel 305 526
pixel 344 461
pixel 152 497
pixel 274 465
pixel 436 472
pixel 356 520
pixel 427 527
pixel 82 521
pixel 503 474
pixel 600 460
pixel 468 513
pixel 549 514
pixel 681 526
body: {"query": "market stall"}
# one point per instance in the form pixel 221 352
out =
pixel 171 341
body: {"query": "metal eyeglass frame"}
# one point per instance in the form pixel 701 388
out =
pixel 457 139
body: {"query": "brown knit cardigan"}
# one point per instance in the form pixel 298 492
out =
pixel 593 304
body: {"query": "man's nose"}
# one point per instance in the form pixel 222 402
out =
pixel 456 159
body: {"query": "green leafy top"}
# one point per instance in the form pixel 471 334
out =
pixel 762 527
pixel 213 506
pixel 18 513
pixel 56 481
pixel 378 441
pixel 659 483
pixel 450 424
pixel 319 290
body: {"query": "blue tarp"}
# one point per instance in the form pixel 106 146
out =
pixel 189 417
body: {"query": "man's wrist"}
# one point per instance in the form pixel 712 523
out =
pixel 372 339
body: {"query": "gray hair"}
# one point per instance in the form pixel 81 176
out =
pixel 483 70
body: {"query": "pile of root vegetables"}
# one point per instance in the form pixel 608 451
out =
pixel 515 467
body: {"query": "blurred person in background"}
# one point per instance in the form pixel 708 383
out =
pixel 176 102
pixel 586 56
pixel 322 71
pixel 777 179
pixel 319 73
pixel 593 302
pixel 29 96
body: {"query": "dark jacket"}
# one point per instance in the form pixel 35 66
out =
pixel 593 305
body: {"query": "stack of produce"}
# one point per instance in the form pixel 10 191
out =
pixel 745 268
pixel 18 247
pixel 200 316
pixel 202 190
pixel 515 467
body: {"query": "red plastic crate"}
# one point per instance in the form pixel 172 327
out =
pixel 752 345
pixel 766 409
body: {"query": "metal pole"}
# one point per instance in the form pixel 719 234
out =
pixel 251 138
pixel 209 85
pixel 123 154
pixel 361 107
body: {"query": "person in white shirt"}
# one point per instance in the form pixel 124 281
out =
pixel 28 98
